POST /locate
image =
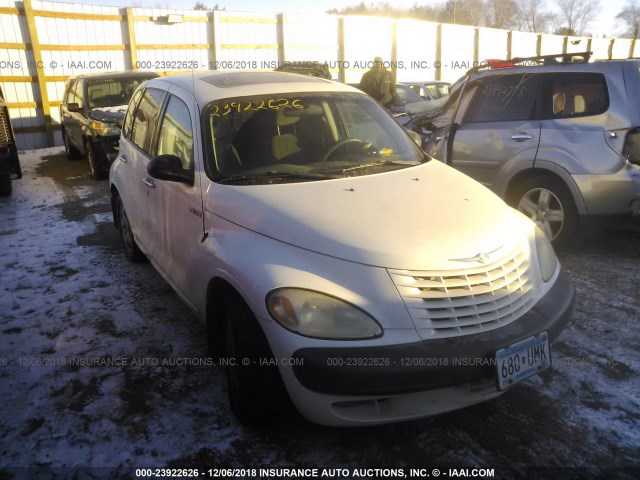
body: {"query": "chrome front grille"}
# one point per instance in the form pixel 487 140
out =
pixel 453 303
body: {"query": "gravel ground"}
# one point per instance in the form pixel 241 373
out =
pixel 70 303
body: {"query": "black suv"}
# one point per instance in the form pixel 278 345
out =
pixel 9 161
pixel 91 114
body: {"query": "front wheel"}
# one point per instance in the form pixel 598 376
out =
pixel 255 388
pixel 548 202
pixel 5 185
pixel 95 167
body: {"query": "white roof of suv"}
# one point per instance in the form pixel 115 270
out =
pixel 209 86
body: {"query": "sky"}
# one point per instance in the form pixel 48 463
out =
pixel 606 24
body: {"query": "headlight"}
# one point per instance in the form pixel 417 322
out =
pixel 104 128
pixel 314 314
pixel 547 259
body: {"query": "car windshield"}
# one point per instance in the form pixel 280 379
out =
pixel 111 92
pixel 302 137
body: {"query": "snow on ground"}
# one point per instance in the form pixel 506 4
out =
pixel 101 365
pixel 65 310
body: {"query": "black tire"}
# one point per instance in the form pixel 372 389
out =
pixel 5 185
pixel 549 203
pixel 72 152
pixel 256 391
pixel 131 249
pixel 96 171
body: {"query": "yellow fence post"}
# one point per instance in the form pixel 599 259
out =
pixel 438 63
pixel 39 66
pixel 342 73
pixel 131 31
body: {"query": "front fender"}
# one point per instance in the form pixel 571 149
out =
pixel 255 265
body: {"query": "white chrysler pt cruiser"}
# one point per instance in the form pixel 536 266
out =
pixel 334 263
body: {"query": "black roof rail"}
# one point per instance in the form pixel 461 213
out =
pixel 555 59
pixel 578 57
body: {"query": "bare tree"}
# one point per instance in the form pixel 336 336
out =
pixel 533 16
pixel 463 12
pixel 501 14
pixel 202 6
pixel 577 15
pixel 630 16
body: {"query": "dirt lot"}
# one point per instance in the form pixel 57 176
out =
pixel 69 300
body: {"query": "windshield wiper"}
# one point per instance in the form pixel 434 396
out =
pixel 378 163
pixel 275 175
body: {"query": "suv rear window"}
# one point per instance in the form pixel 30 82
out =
pixel 574 95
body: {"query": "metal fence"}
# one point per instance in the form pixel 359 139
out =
pixel 42 43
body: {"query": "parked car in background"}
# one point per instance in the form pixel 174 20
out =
pixel 408 105
pixel 9 160
pixel 333 262
pixel 431 90
pixel 559 140
pixel 91 114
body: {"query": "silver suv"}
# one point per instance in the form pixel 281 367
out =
pixel 555 136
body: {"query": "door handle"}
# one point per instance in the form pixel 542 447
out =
pixel 519 137
pixel 123 159
pixel 149 182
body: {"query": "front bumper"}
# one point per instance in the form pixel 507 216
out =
pixel 106 149
pixel 433 364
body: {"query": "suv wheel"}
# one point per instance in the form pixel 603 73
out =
pixel 72 152
pixel 256 392
pixel 131 249
pixel 5 185
pixel 548 202
pixel 95 168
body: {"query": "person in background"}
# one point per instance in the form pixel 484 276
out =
pixel 378 83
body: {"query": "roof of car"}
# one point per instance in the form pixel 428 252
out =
pixel 530 65
pixel 605 67
pixel 106 75
pixel 214 85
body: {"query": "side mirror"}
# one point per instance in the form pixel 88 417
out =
pixel 169 168
pixel 73 107
pixel 415 136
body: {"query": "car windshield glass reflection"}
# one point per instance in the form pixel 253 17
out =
pixel 303 137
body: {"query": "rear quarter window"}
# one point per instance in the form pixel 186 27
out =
pixel 568 95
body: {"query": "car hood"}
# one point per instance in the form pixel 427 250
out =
pixel 109 114
pixel 426 217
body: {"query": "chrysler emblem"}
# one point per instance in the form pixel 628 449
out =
pixel 478 257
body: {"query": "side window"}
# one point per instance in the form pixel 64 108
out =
pixel 505 98
pixel 176 132
pixel 128 119
pixel 146 118
pixel 77 93
pixel 575 95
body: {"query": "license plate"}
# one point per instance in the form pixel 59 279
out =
pixel 522 359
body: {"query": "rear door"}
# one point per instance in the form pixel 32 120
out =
pixel 500 130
